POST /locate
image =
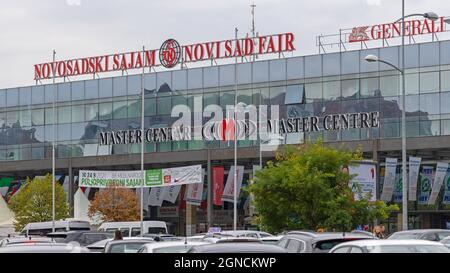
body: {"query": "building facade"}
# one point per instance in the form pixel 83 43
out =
pixel 333 83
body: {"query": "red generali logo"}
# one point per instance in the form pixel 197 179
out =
pixel 359 34
pixel 170 53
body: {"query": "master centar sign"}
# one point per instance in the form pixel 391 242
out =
pixel 245 129
pixel 170 54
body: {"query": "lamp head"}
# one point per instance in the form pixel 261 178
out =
pixel 431 15
pixel 371 58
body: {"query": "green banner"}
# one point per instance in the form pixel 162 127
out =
pixel 153 177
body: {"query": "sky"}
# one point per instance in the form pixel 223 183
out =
pixel 31 29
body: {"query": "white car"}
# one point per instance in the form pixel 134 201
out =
pixel 246 233
pixel 100 245
pixel 390 246
pixel 271 239
pixel 446 242
pixel 170 247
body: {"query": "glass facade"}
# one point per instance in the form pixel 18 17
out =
pixel 302 86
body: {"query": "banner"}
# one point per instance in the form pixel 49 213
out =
pixel 228 193
pixel 441 171
pixel 426 182
pixel 398 188
pixel 389 179
pixel 133 179
pixel 195 194
pixel 446 198
pixel 365 180
pixel 218 176
pixel 156 196
pixel 171 193
pixel 414 165
pixel 168 212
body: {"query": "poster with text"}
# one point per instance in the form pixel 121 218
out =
pixel 441 172
pixel 364 184
pixel 228 193
pixel 426 182
pixel 389 179
pixel 446 198
pixel 414 166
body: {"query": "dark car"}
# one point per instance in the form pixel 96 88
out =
pixel 237 248
pixel 310 242
pixel 84 238
pixel 126 246
pixel 435 235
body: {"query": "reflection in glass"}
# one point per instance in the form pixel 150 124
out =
pixel 429 82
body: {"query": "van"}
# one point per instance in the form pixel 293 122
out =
pixel 42 228
pixel 133 229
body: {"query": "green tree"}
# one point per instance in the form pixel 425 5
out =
pixel 33 202
pixel 306 188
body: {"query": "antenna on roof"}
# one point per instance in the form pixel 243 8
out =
pixel 253 6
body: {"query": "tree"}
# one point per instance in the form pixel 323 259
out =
pixel 33 202
pixel 115 204
pixel 306 188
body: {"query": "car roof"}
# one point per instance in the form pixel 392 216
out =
pixel 130 240
pixel 173 243
pixel 28 239
pixel 421 231
pixel 42 248
pixel 102 243
pixel 330 236
pixel 239 248
pixel 272 238
pixel 389 242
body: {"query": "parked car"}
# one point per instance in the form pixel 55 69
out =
pixel 272 240
pixel 219 240
pixel 310 242
pixel 390 246
pixel 42 228
pixel 169 247
pixel 84 238
pixel 25 240
pixel 163 237
pixel 43 248
pixel 237 248
pixel 126 246
pixel 246 233
pixel 133 229
pixel 435 235
pixel 446 242
pixel 100 245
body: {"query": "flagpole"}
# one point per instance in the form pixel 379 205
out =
pixel 235 143
pixel 142 141
pixel 53 144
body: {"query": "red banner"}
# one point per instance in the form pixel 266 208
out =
pixel 218 176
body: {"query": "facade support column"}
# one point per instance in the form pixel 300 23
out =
pixel 191 219
pixel 209 211
pixel 71 189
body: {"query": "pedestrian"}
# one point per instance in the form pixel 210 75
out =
pixel 383 231
pixel 377 232
pixel 118 235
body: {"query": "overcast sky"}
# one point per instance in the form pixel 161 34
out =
pixel 31 29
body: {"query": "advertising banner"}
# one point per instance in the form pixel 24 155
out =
pixel 414 165
pixel 426 182
pixel 228 193
pixel 389 179
pixel 168 212
pixel 365 180
pixel 194 194
pixel 171 193
pixel 398 188
pixel 446 198
pixel 133 179
pixel 441 171
pixel 218 177
pixel 156 196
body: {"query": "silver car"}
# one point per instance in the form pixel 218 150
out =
pixel 43 248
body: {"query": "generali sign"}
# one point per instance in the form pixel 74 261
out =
pixel 392 30
pixel 168 55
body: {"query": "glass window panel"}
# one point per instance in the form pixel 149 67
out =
pixel 150 107
pixel 12 97
pixel 164 147
pixel 49 133
pixel 412 129
pixel 412 106
pixel 313 66
pixel 294 94
pixel 445 52
pixel 150 83
pixel 37 95
pixel 105 88
pixel 25 96
pixel 244 73
pixel 25 118
pixel 134 85
pixel 445 81
pixel 78 113
pixel 391 129
pixel 351 134
pixel 37 117
pixel 245 96
pixel 164 81
pixel 91 89
pixel 370 87
pixel 226 75
pixel 429 104
pixel 366 66
pixel 64 132
pixel 430 128
pixel 210 98
pixel 37 153
pixel 64 92
pixel 64 114
pixel 164 105
pixel 411 56
pixel 49 116
pixel 331 90
pixel 2 98
pixel 39 134
pixel 350 62
pixel 295 68
pixel 120 109
pixel 261 71
pixel 390 109
pixel 91 112
pixel 369 105
pixel 411 84
pixel 429 54
pixel 278 70
pixel 389 86
pixel 350 89
pixel 389 54
pixel 105 110
pixel 2 120
pixel 179 80
pixel 313 91
pixel 78 90
pixel 445 127
pixel 445 103
pixel 351 106
pixel 77 131
pixel 211 76
pixel 331 64
pixel 277 95
pixel 50 93
pixel 134 108
pixel 178 100
pixel 195 78
pixel 119 86
pixel 226 98
pixel 429 82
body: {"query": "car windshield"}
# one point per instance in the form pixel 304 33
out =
pixel 270 242
pixel 405 236
pixel 172 249
pixel 329 244
pixel 156 230
pixel 408 249
pixel 127 247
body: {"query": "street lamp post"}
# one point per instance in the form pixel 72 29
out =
pixel 372 58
